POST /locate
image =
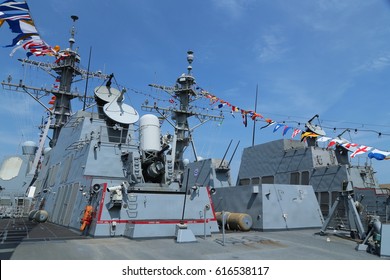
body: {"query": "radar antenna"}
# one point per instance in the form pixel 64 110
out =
pixel 65 69
pixel 316 129
pixel 120 112
pixel 184 92
pixel 73 31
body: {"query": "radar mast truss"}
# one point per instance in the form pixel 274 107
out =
pixel 65 69
pixel 185 94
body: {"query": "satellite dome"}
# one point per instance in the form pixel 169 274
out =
pixel 186 161
pixel 29 144
pixel 29 148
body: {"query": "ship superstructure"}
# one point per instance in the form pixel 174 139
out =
pixel 328 170
pixel 111 172
pixel 15 179
pixel 348 195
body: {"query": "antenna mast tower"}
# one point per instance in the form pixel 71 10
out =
pixel 65 69
pixel 185 93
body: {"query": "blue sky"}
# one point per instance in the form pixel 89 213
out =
pixel 325 57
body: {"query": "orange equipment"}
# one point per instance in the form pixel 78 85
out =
pixel 87 218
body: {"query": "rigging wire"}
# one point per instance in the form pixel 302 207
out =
pixel 287 119
pixel 210 105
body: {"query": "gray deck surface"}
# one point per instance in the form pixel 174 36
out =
pixel 24 240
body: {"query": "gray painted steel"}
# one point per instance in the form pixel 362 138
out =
pixel 272 206
pixel 327 170
pixel 385 241
pixel 15 179
pixel 96 160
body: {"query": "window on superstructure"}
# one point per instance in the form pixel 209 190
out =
pixel 20 201
pixel 324 202
pixel 5 201
pixel 294 178
pixel 305 178
pixel 255 181
pixel 244 182
pixel 268 179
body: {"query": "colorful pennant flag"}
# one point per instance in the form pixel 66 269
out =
pixel 361 150
pixel 379 155
pixel 18 17
pixel 10 5
pixel 336 141
pixel 244 119
pixel 323 139
pixel 352 147
pixel 295 132
pixel 277 126
pixel 306 134
pixel 285 129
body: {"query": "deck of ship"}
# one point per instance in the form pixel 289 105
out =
pixel 25 240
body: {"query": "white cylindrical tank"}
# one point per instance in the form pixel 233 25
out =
pixel 46 150
pixel 149 133
pixel 29 148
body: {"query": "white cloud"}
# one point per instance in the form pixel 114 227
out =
pixel 234 8
pixel 328 15
pixel 379 63
pixel 271 46
pixel 334 5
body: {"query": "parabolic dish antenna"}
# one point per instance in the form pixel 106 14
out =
pixel 121 112
pixel 316 129
pixel 107 94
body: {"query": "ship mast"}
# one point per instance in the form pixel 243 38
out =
pixel 184 92
pixel 66 72
pixel 66 68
